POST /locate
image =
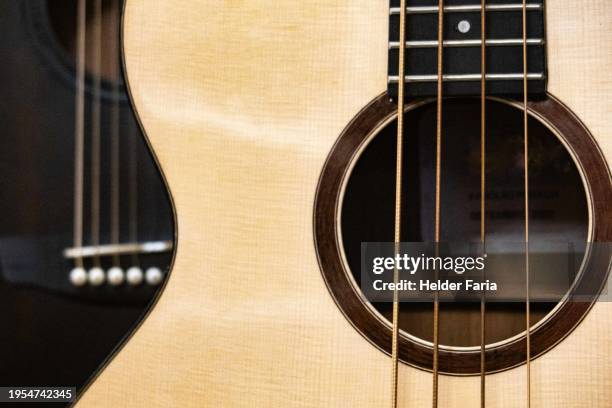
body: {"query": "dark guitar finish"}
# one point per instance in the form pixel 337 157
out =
pixel 53 333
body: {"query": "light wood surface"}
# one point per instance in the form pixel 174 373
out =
pixel 241 102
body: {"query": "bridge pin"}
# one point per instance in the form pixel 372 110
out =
pixel 115 276
pixel 78 276
pixel 154 276
pixel 96 276
pixel 134 276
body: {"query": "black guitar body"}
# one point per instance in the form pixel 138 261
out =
pixel 53 333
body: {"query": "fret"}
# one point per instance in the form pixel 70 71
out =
pixel 393 79
pixel 468 43
pixel 462 42
pixel 467 8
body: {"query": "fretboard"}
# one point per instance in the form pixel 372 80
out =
pixel 462 47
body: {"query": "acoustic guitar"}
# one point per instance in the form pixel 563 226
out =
pixel 292 136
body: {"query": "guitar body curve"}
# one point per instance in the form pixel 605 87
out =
pixel 242 114
pixel 57 333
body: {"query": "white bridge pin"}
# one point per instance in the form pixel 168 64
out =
pixel 78 276
pixel 154 276
pixel 96 276
pixel 115 276
pixel 134 276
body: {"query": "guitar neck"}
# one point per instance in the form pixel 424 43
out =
pixel 462 41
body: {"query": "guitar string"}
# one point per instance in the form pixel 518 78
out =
pixel 132 167
pixel 398 201
pixel 436 310
pixel 95 129
pixel 133 192
pixel 526 187
pixel 115 143
pixel 79 130
pixel 483 101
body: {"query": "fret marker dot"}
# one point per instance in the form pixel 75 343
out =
pixel 464 26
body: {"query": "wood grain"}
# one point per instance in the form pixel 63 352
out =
pixel 242 102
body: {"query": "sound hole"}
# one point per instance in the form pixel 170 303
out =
pixel 558 205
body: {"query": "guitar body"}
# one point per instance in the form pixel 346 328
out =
pixel 242 103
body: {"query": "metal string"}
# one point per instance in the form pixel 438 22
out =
pixel 436 311
pixel 95 129
pixel 133 192
pixel 132 136
pixel 526 177
pixel 398 199
pixel 483 122
pixel 79 129
pixel 115 142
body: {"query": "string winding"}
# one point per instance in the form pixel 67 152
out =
pixel 436 311
pixel 483 123
pixel 398 200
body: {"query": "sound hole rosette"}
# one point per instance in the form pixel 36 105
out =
pixel 500 356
